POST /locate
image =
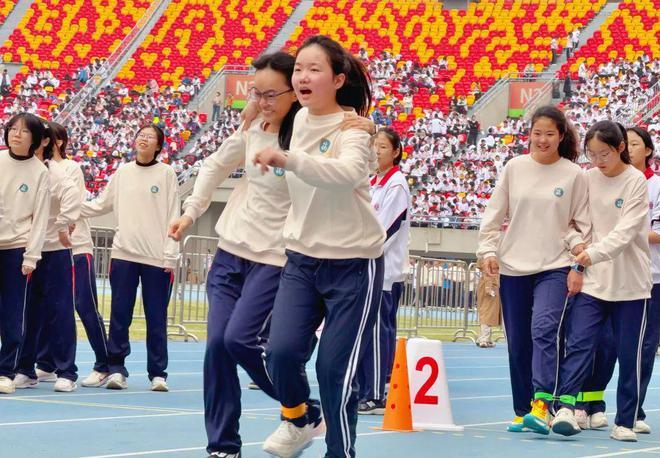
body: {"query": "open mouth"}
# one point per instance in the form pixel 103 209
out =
pixel 305 91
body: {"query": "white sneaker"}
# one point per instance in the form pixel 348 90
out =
pixel 565 423
pixel 159 384
pixel 22 381
pixel 288 440
pixel 7 385
pixel 44 376
pixel 598 420
pixel 64 385
pixel 95 379
pixel 582 418
pixel 621 433
pixel 116 381
pixel 641 427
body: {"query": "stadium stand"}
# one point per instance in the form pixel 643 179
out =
pixel 197 37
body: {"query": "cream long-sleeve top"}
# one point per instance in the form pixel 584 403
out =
pixel 81 238
pixel 619 248
pixel 65 200
pixel 331 216
pixel 251 224
pixel 24 205
pixel 548 216
pixel 145 199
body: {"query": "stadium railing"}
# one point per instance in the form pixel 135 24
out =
pixel 439 297
pixel 103 77
pixel 446 222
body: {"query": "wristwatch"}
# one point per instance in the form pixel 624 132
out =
pixel 578 268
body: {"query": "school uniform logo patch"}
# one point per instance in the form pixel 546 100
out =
pixel 325 145
pixel 23 188
pixel 154 189
pixel 559 192
pixel 618 203
pixel 278 171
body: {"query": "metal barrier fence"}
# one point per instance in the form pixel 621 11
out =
pixel 102 240
pixel 439 295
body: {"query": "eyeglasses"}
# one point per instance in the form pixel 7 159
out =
pixel 599 157
pixel 268 96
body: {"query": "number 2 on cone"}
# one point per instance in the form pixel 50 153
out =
pixel 422 397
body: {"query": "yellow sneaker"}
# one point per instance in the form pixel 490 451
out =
pixel 537 420
pixel 516 426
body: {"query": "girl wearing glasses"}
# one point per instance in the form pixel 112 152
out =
pixel 248 263
pixel 24 206
pixel 617 281
pixel 246 268
pixel 543 194
pixel 334 242
pixel 142 194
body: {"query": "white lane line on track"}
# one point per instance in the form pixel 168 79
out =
pixel 189 449
pixel 627 452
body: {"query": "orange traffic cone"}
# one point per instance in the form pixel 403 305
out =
pixel 398 415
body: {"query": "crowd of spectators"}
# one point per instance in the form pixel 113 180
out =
pixel 451 161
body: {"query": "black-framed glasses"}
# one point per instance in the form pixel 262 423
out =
pixel 268 96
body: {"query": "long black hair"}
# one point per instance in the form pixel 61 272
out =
pixel 58 132
pixel 612 134
pixel 283 63
pixel 34 124
pixel 568 147
pixel 648 142
pixel 356 91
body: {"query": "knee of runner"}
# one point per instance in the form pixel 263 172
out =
pixel 236 344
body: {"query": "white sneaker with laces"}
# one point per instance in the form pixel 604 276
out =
pixel 116 381
pixel 95 379
pixel 641 427
pixel 44 376
pixel 159 384
pixel 565 423
pixel 7 385
pixel 288 440
pixel 598 420
pixel 582 418
pixel 621 433
pixel 22 381
pixel 64 385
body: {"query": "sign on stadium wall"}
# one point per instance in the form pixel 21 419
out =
pixel 520 93
pixel 238 86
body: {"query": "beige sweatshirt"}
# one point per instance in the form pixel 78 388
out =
pixel 65 203
pixel 145 200
pixel 24 205
pixel 81 238
pixel 331 216
pixel 620 247
pixel 543 203
pixel 251 224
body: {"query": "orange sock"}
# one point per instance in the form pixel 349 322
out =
pixel 291 413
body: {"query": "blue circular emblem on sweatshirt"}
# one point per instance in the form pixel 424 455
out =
pixel 559 192
pixel 618 203
pixel 325 145
pixel 154 189
pixel 278 171
pixel 23 188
